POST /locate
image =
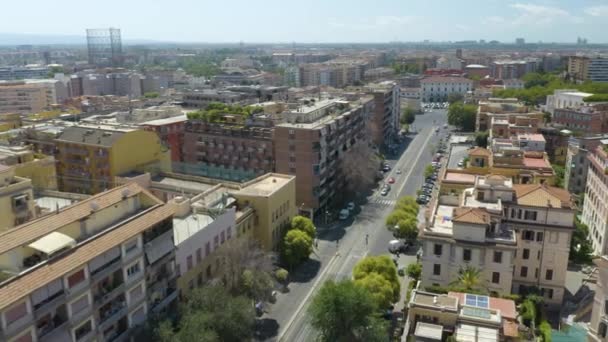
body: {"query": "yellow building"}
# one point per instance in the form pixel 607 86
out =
pixel 38 168
pixel 9 121
pixel 89 157
pixel 16 199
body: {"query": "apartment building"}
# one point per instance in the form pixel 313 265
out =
pixel 16 199
pixel 518 235
pixel 598 328
pixel 556 143
pixel 91 271
pixel 90 156
pixel 467 317
pixel 501 108
pixel 583 68
pixel 229 150
pixel 335 74
pixel 585 119
pixel 438 88
pixel 27 97
pixel 313 143
pixel 37 167
pixel 23 72
pixel 171 132
pixel 202 98
pixel 577 161
pixel 566 99
pixel 595 214
pixel 384 123
pixel 510 69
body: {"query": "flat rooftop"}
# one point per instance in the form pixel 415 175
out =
pixel 185 227
pixel 166 121
pixel 53 203
pixel 265 186
pixel 181 184
pixel 459 177
pixel 442 221
pixel 439 301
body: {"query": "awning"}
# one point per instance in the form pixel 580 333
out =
pixel 428 331
pixel 52 243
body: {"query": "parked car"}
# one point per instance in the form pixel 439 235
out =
pixel 461 163
pixel 384 192
pixel 386 168
pixel 395 246
pixel 391 180
pixel 422 199
pixel 344 214
pixel 350 206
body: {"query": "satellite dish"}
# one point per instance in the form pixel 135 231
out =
pixel 94 206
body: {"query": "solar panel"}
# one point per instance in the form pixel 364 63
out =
pixel 477 301
pixel 477 312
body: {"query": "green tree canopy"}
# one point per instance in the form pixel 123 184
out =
pixel 481 139
pixel 256 284
pixel 384 266
pixel 428 171
pixel 345 312
pixel 414 271
pixel 408 116
pixel 462 116
pixel 581 250
pixel 304 224
pixel 469 279
pixel 379 288
pixel 398 215
pixel 408 229
pixel 297 246
pixel 455 97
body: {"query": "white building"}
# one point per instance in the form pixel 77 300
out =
pixel 438 88
pixel 410 98
pixel 565 98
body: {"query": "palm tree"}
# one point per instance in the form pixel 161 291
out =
pixel 469 279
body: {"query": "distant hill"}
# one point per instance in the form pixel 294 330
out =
pixel 40 39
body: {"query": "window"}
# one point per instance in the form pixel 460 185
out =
pixel 136 293
pixel 130 246
pixel 436 269
pixel 495 277
pixel 438 249
pixel 549 275
pixel 497 257
pixel 15 313
pixel 79 305
pixel 133 269
pixel 216 242
pixel 606 307
pixel 539 236
pixel 524 271
pixel 550 293
pixel 602 329
pixel 207 248
pixel 222 237
pixel 526 254
pixel 528 235
pixel 199 279
pixel 530 215
pixel 189 262
pixel 199 255
pixel 466 255
pixel 536 273
pixel 76 278
pixel 83 330
pixel 229 233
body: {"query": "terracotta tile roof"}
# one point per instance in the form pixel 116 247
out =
pixel 479 151
pixel 459 177
pixel 510 328
pixel 40 227
pixel 538 195
pixel 471 215
pixel 24 285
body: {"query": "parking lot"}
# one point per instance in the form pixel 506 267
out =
pixel 458 153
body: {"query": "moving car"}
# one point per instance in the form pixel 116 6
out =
pixel 399 171
pixel 391 180
pixel 386 168
pixel 384 192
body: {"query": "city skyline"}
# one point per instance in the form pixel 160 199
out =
pixel 318 22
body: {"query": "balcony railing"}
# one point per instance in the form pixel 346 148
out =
pixel 157 306
pixel 118 310
pixel 105 295
pixel 56 323
pixel 106 269
pixel 50 302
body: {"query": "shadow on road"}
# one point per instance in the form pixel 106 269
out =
pixel 305 272
pixel 266 328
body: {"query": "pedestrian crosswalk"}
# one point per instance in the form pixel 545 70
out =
pixel 382 202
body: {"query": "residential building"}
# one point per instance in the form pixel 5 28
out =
pixel 16 199
pixel 9 121
pixel 384 123
pixel 598 328
pixel 585 119
pixel 477 70
pixel 556 143
pixel 23 72
pixel 30 96
pixel 499 108
pixel 90 156
pixel 595 215
pixel 577 161
pixel 467 317
pixel 410 98
pixel 566 99
pixel 509 69
pixel 93 270
pixel 201 98
pixel 140 115
pixel 314 143
pixel 583 68
pixel 37 167
pixel 518 235
pixel 438 88
pixel 171 132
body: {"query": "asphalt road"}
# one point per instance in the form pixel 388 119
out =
pixel 342 246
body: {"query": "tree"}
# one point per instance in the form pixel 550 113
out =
pixel 231 318
pixel 428 171
pixel 481 139
pixel 407 202
pixel 414 271
pixel 297 246
pixel 384 266
pixel 196 327
pixel 257 285
pixel 559 175
pixel 359 165
pixel 281 275
pixel 408 116
pixel 462 116
pixel 151 95
pixel 581 249
pixel 304 224
pixel 398 215
pixel 345 312
pixel 455 97
pixel 379 287
pixel 408 229
pixel 469 279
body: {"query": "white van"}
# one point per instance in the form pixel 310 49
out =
pixel 344 213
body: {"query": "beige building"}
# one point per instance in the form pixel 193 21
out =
pixel 595 212
pixel 30 96
pixel 91 271
pixel 16 199
pixel 598 328
pixel 517 234
pixel 37 167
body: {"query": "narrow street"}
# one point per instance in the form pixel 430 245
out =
pixel 342 246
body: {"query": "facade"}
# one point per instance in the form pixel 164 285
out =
pixel 23 72
pixel 510 69
pixel 598 328
pixel 16 199
pixel 518 235
pixel 477 70
pixel 38 168
pixel 30 96
pixel 586 119
pixel 384 123
pixel 171 133
pixel 89 157
pixel 201 98
pixel 566 99
pixel 583 68
pixel 93 270
pixel 577 161
pixel 556 143
pixel 594 207
pixel 410 98
pixel 313 144
pixel 438 88
pixel 467 317
pixel 495 107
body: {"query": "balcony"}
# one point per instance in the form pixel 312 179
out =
pixel 48 304
pixel 112 313
pixel 51 324
pixel 106 269
pixel 158 305
pixel 109 289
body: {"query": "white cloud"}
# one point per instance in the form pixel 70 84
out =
pixel 539 15
pixel 597 11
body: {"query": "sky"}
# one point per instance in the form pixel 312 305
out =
pixel 320 21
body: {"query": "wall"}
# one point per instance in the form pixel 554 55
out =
pixel 136 150
pixel 41 172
